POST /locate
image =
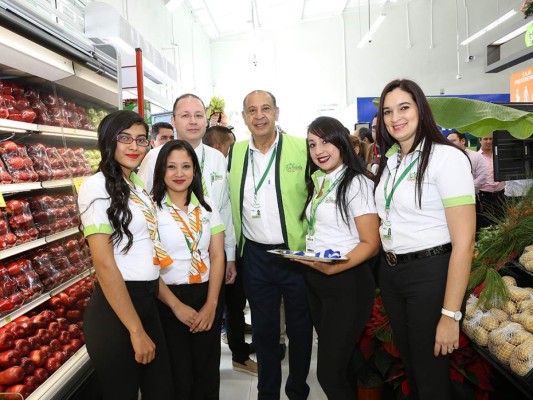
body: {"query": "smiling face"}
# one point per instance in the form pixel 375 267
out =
pixel 325 155
pixel 129 156
pixel 189 120
pixel 486 143
pixel 179 171
pixel 400 115
pixel 260 115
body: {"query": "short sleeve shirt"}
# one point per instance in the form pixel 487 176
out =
pixel 448 182
pixel 93 199
pixel 173 240
pixel 330 231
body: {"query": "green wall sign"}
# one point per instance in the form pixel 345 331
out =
pixel 529 35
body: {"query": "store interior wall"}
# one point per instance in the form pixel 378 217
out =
pixel 315 68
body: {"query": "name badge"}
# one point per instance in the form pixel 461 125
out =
pixel 255 211
pixel 310 243
pixel 386 231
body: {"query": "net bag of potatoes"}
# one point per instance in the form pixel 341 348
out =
pixel 526 259
pixel 472 327
pixel 503 340
pixel 522 358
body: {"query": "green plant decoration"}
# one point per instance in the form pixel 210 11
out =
pixel 216 105
pixel 479 117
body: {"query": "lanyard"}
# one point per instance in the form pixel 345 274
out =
pixel 317 201
pixel 257 187
pixel 203 160
pixel 388 199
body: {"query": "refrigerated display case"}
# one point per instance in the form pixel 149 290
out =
pixel 50 106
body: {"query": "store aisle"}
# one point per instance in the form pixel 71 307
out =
pixel 239 386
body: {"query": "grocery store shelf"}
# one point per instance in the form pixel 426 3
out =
pixel 19 187
pixel 43 298
pixel 59 379
pixel 56 183
pixel 21 248
pixel 61 235
pixel 18 126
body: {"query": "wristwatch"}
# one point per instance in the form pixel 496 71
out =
pixel 456 315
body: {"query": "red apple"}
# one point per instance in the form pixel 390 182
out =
pixel 28 365
pixel 52 364
pixel 41 374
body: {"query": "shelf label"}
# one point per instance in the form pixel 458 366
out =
pixel 7 319
pixel 2 201
pixel 77 182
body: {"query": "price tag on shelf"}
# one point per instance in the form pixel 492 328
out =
pixel 77 183
pixel 2 201
pixel 7 319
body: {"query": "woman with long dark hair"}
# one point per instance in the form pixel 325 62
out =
pixel 193 233
pixel 123 333
pixel 342 217
pixel 425 198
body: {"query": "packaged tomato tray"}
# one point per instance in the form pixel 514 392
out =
pixel 21 221
pixel 57 163
pixel 7 238
pixel 41 262
pixel 41 163
pixel 28 282
pixel 5 178
pixel 10 297
pixel 17 161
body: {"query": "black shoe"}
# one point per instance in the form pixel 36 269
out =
pixel 282 350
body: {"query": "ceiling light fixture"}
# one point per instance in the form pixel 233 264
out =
pixel 171 5
pixel 368 36
pixel 512 35
pixel 489 27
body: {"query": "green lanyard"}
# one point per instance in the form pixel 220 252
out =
pixel 257 187
pixel 203 160
pixel 388 199
pixel 317 201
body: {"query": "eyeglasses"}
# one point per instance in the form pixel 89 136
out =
pixel 127 139
pixel 187 116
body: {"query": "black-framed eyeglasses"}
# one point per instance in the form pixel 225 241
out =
pixel 127 139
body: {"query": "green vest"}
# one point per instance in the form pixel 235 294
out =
pixel 291 191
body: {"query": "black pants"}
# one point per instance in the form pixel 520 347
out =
pixel 413 295
pixel 268 277
pixel 340 306
pixel 195 357
pixel 490 209
pixel 111 352
pixel 235 304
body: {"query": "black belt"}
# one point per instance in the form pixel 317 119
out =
pixel 393 258
pixel 491 194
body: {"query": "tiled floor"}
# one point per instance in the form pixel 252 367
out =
pixel 239 386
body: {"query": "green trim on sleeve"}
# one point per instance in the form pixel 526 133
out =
pixel 459 201
pixel 217 229
pixel 92 229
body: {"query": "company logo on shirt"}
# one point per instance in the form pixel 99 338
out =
pixel 204 220
pixel 411 177
pixel 330 200
pixel 215 177
pixel 294 167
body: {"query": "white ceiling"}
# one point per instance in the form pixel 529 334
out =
pixel 221 18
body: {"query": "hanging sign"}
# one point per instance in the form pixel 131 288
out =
pixel 521 86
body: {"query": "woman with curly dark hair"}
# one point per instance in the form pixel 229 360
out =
pixel 342 217
pixel 425 198
pixel 123 333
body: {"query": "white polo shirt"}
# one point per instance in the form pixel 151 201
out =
pixel 330 231
pixel 173 240
pixel 267 229
pixel 447 182
pixel 93 200
pixel 214 173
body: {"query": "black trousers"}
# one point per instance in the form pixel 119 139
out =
pixel 235 304
pixel 490 208
pixel 109 347
pixel 340 306
pixel 195 357
pixel 413 295
pixel 268 277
